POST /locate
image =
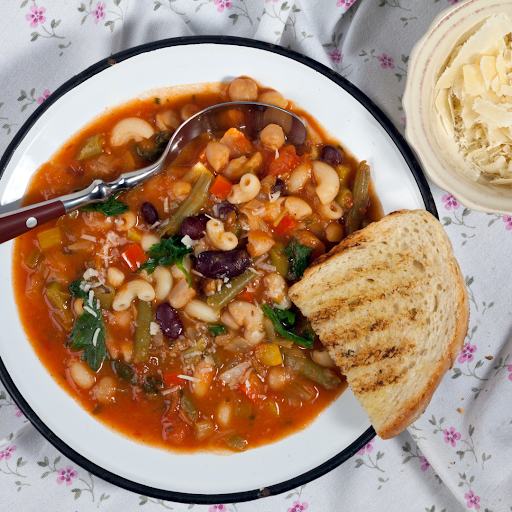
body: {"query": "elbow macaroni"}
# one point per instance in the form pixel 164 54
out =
pixel 163 278
pixel 221 239
pixel 136 288
pixel 247 189
pixel 328 182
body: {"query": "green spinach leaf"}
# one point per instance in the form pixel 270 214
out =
pixel 217 329
pixel 109 208
pixel 298 255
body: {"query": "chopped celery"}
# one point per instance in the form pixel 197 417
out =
pixel 203 429
pixel 243 408
pixel 105 294
pixel 93 146
pixel 60 300
pixel 279 259
pixel 188 406
pixel 344 174
pixel 134 235
pixel 49 238
pixel 237 443
pixel 34 258
pixel 142 335
pixel 309 369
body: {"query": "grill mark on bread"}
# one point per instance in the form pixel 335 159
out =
pixel 361 387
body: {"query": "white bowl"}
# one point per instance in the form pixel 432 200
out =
pixel 436 150
pixel 201 478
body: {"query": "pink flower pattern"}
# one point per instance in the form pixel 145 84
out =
pixel 275 1
pixel 425 464
pixel 36 17
pixel 367 448
pixel 67 475
pixel 509 368
pixel 453 2
pixel 6 452
pixel 508 222
pixel 298 506
pixel 450 201
pixel 386 62
pixel 223 4
pixel 217 508
pixel 99 12
pixel 451 436
pixel 45 96
pixel 344 3
pixel 18 413
pixel 467 353
pixel 472 500
pixel 335 56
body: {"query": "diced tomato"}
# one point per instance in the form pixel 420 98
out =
pixel 285 162
pixel 286 224
pixel 237 143
pixel 221 187
pixel 246 295
pixel 134 257
pixel 253 388
pixel 171 378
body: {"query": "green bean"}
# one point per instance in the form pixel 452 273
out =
pixel 59 299
pixel 188 406
pixel 230 290
pixel 191 205
pixel 309 369
pixel 105 294
pixel 142 335
pixel 34 258
pixel 93 146
pixel 360 193
pixel 279 259
pixel 236 443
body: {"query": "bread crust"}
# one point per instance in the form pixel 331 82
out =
pixel 392 341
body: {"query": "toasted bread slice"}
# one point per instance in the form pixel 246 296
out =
pixel 391 306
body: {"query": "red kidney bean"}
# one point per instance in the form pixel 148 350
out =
pixel 225 209
pixel 149 213
pixel 169 320
pixel 223 264
pixel 194 227
pixel 333 156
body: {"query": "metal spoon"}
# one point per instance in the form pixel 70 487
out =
pixel 252 116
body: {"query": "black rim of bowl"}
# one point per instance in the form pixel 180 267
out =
pixel 387 125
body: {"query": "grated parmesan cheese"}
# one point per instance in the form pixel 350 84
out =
pixel 473 100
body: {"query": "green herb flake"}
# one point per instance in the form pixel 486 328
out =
pixel 160 142
pixel 157 101
pixel 168 252
pixel 298 255
pixel 217 329
pixel 109 208
pixel 88 333
pixel 280 320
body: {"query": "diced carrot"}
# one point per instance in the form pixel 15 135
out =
pixel 284 163
pixel 286 224
pixel 134 257
pixel 171 378
pixel 221 187
pixel 237 143
pixel 305 237
pixel 245 294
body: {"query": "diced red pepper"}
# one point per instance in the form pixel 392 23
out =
pixel 221 187
pixel 286 224
pixel 245 294
pixel 134 257
pixel 171 378
pixel 285 162
pixel 253 388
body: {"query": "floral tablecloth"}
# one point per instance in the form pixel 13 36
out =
pixel 458 455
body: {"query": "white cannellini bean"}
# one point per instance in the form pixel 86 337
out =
pixel 105 390
pixel 224 414
pixel 200 310
pixel 323 358
pixel 82 375
pixel 298 178
pixel 181 294
pixel 251 317
pixel 217 155
pixel 205 373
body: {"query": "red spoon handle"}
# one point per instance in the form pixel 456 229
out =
pixel 14 224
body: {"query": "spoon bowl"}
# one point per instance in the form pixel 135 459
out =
pixel 247 115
